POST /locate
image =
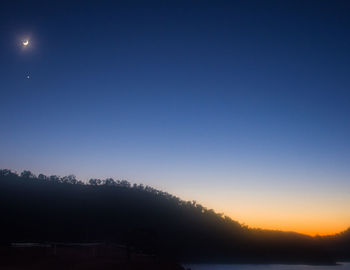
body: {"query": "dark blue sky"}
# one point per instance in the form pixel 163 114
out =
pixel 212 100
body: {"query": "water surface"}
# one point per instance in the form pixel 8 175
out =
pixel 340 266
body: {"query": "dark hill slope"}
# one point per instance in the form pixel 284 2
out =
pixel 338 245
pixel 65 210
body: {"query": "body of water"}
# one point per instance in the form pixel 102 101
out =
pixel 340 266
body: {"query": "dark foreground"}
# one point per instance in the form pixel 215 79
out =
pixel 64 210
pixel 76 257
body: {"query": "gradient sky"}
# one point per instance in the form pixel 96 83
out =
pixel 243 106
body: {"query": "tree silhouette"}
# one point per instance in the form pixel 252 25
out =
pixel 27 174
pixel 64 209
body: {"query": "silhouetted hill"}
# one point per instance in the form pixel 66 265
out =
pixel 54 209
pixel 338 245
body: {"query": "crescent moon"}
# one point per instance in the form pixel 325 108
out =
pixel 25 43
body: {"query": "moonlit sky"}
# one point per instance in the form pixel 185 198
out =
pixel 243 106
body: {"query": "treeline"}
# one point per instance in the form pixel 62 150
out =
pixel 110 182
pixel 338 245
pixel 63 209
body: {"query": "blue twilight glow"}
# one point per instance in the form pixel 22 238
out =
pixel 243 106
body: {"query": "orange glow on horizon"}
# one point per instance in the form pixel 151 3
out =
pixel 309 230
pixel 311 215
pixel 306 209
pixel 296 222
